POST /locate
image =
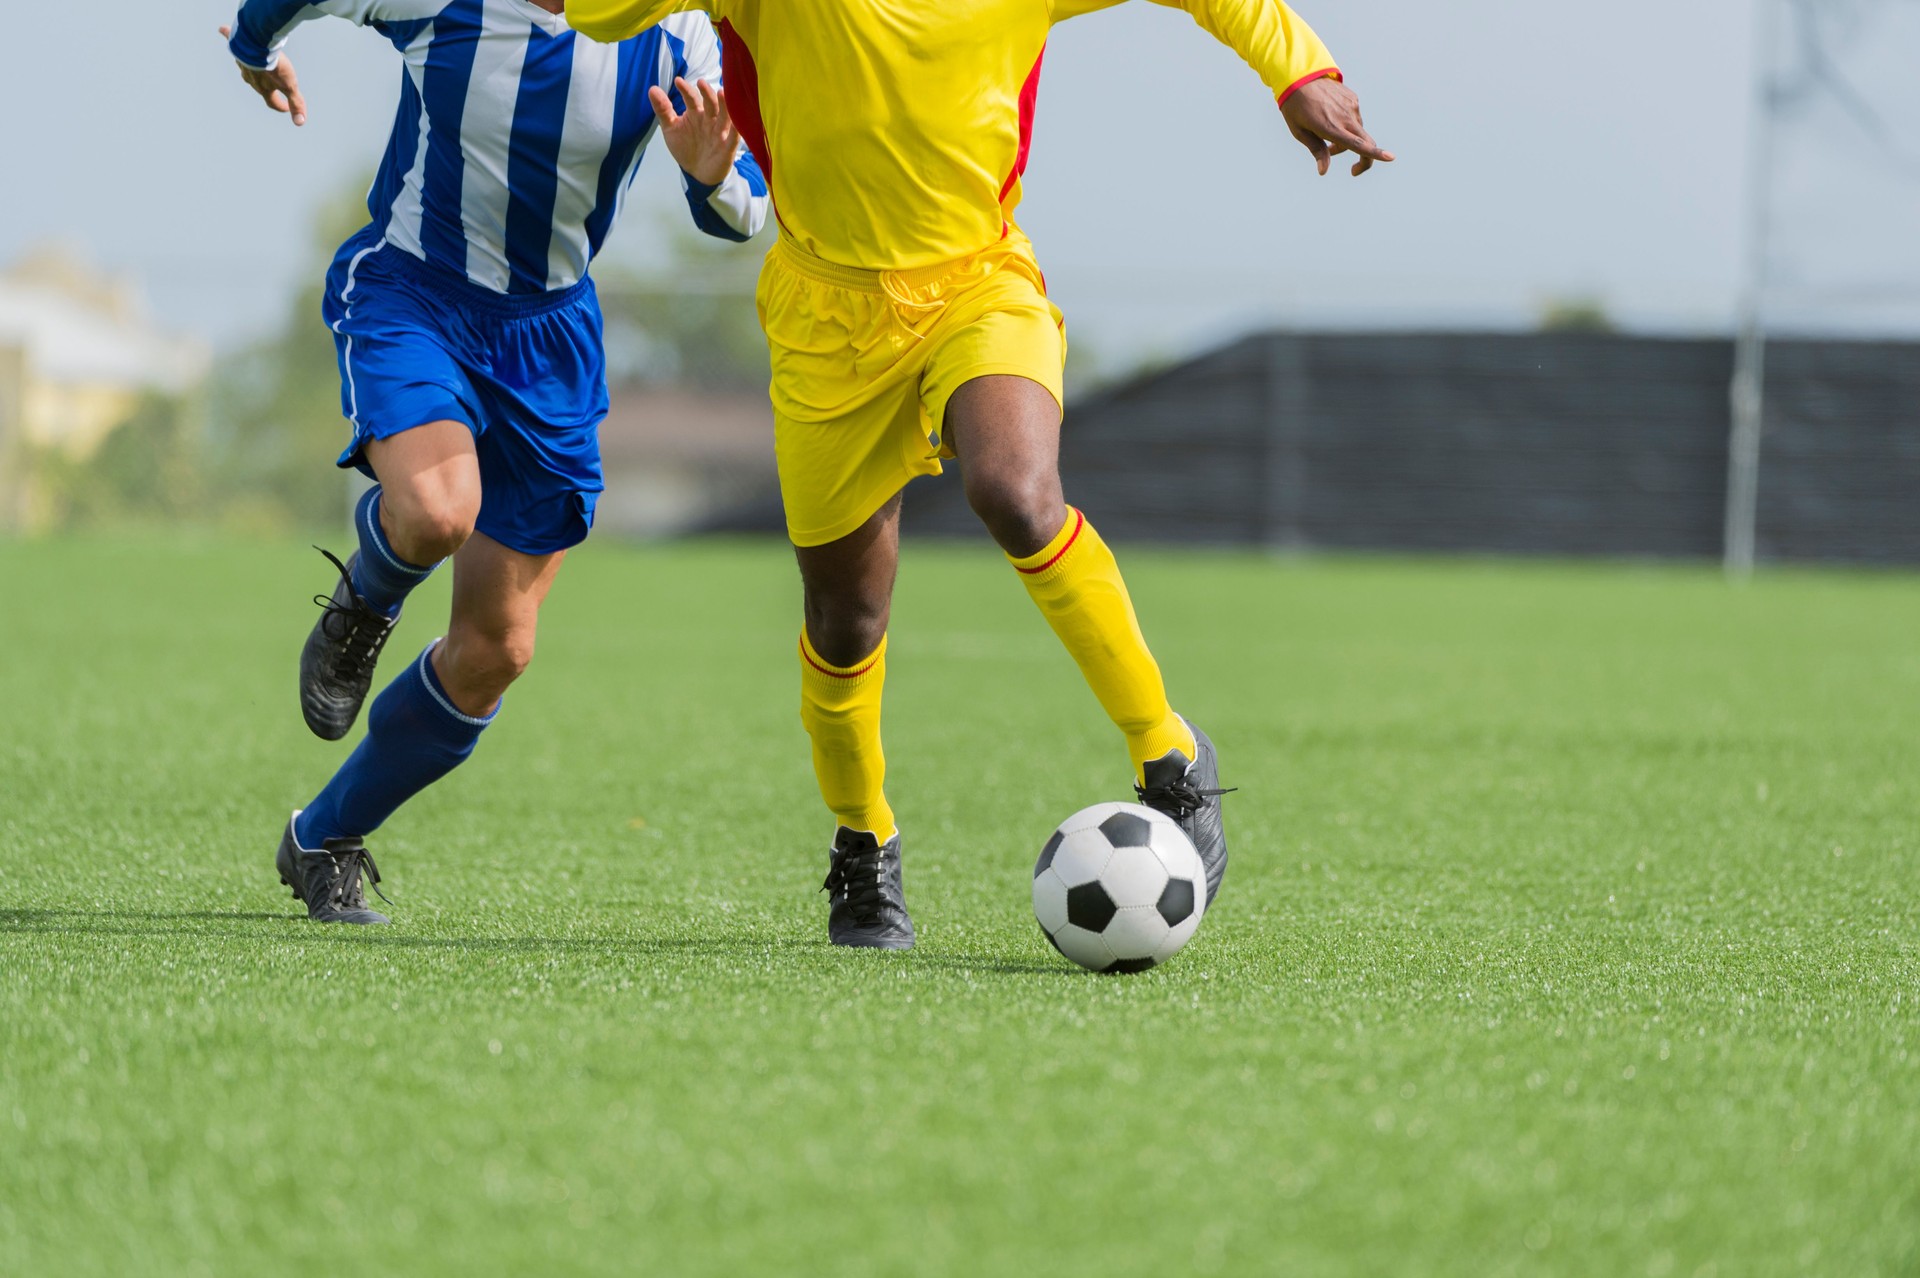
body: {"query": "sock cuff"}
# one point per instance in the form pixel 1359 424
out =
pixel 430 679
pixel 367 525
pixel 820 672
pixel 1051 559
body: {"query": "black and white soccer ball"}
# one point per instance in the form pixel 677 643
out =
pixel 1119 888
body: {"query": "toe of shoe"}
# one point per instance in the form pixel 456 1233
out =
pixel 326 719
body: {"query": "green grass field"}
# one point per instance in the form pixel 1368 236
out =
pixel 1573 927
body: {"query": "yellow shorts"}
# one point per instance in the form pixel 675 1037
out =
pixel 865 361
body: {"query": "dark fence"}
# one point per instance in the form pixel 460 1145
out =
pixel 1565 444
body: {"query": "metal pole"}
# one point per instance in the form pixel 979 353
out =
pixel 1746 396
pixel 1283 441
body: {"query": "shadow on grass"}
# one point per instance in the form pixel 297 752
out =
pixel 110 922
pixel 46 920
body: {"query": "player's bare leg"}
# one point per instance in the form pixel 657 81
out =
pixel 424 725
pixel 848 595
pixel 1006 432
pixel 497 595
pixel 422 511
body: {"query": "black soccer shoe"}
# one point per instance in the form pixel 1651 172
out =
pixel 336 666
pixel 1189 792
pixel 328 880
pixel 863 880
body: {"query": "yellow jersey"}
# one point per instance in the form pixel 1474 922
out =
pixel 894 132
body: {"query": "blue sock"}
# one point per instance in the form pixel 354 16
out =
pixel 415 736
pixel 381 576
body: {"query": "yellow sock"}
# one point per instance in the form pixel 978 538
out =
pixel 1077 584
pixel 840 707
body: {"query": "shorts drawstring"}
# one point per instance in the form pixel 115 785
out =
pixel 903 302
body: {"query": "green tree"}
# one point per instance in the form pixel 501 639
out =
pixel 697 326
pixel 275 424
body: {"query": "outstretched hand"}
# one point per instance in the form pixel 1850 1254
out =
pixel 278 88
pixel 702 139
pixel 1324 115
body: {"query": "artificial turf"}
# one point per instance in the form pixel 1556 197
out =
pixel 1573 926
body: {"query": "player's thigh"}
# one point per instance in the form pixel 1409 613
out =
pixel 994 385
pixel 1004 426
pixel 429 476
pixel 848 586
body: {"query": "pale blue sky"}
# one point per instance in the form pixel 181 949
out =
pixel 1548 149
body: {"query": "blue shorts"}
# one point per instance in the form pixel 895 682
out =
pixel 526 374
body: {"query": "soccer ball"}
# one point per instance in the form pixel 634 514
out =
pixel 1119 888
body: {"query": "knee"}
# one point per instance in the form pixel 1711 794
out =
pixel 845 627
pixel 1021 511
pixel 426 527
pixel 486 663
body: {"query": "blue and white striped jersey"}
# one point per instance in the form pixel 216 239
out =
pixel 516 141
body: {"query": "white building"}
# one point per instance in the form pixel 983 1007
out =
pixel 77 353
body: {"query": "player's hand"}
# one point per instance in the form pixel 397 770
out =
pixel 1325 116
pixel 702 140
pixel 278 88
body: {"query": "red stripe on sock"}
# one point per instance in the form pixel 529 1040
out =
pixel 835 674
pixel 1080 521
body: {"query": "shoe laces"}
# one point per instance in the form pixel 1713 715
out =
pixel 358 647
pixel 1178 799
pixel 861 879
pixel 348 864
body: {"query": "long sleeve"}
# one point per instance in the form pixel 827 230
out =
pixel 737 208
pixel 262 27
pixel 611 21
pixel 1271 38
pixel 734 210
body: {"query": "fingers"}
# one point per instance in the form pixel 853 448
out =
pixel 716 102
pixel 1324 116
pixel 1314 144
pixel 694 95
pixel 663 108
pixel 290 88
pixel 278 88
pixel 1360 142
pixel 226 33
pixel 695 109
pixel 1328 140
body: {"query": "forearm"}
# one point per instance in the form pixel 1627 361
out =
pixel 262 28
pixel 1272 39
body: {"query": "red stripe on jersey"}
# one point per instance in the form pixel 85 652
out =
pixel 742 81
pixel 1029 99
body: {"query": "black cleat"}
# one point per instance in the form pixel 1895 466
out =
pixel 328 881
pixel 869 906
pixel 336 666
pixel 1189 792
